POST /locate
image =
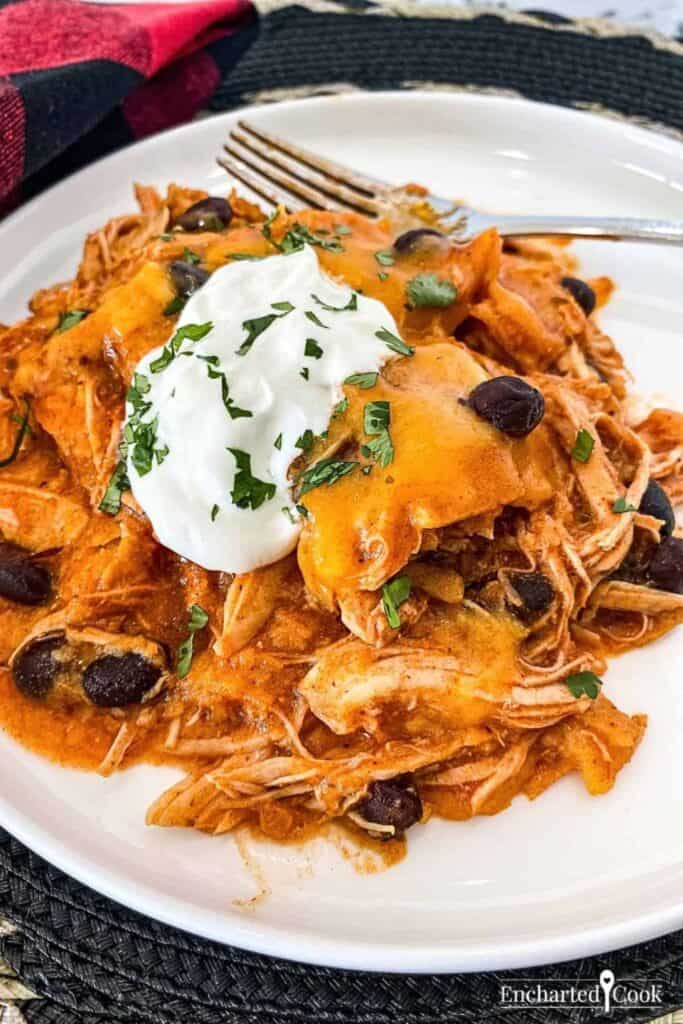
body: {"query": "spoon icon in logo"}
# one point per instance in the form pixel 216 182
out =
pixel 606 981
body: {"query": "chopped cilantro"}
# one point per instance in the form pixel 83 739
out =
pixel 342 229
pixel 214 513
pixel 304 373
pixel 174 306
pixel 190 332
pixel 382 275
pixel 302 510
pixel 259 324
pixel 254 328
pixel 583 446
pixel 385 257
pixel 430 290
pixel 166 237
pixel 248 491
pixel 312 349
pixel 339 408
pixel 70 319
pixel 621 505
pixel 286 511
pixel 198 620
pixel 362 380
pixel 277 443
pixel 299 235
pixel 234 411
pixel 118 483
pixel 265 229
pixel 314 320
pixel 327 471
pixel 394 343
pixel 395 593
pixel 242 256
pixel 376 420
pixel 350 306
pixel 305 442
pixel 191 257
pixel 584 684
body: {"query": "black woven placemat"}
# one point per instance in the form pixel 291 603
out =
pixel 92 961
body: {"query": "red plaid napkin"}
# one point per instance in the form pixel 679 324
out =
pixel 79 79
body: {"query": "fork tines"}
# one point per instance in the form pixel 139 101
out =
pixel 289 176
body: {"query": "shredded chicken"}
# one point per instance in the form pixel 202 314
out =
pixel 442 627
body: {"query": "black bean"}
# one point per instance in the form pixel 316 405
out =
pixel 635 566
pixel 210 214
pixel 509 403
pixel 21 580
pixel 392 802
pixel 116 680
pixel 187 277
pixel 411 240
pixel 666 567
pixel 36 668
pixel 655 502
pixel 535 590
pixel 582 292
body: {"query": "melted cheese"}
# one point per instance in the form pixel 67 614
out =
pixel 448 465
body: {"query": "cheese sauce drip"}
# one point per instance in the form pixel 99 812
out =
pixel 257 360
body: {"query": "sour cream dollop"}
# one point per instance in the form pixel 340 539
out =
pixel 272 350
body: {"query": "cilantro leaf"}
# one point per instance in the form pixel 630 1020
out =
pixel 394 343
pixel 350 306
pixel 312 349
pixel 621 505
pixel 327 471
pixel 248 491
pixel 190 332
pixel 304 373
pixel 362 380
pixel 198 620
pixel 299 235
pixel 305 442
pixel 254 328
pixel 191 257
pixel 259 324
pixel 233 410
pixel 214 513
pixel 376 420
pixel 314 320
pixel 582 684
pixel 339 408
pixel 277 443
pixel 24 429
pixel 118 483
pixel 174 306
pixel 395 593
pixel 583 446
pixel 70 319
pixel 430 290
pixel 385 257
pixel 376 417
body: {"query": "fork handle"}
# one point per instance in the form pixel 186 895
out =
pixel 626 229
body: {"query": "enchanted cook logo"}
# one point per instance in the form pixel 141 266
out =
pixel 607 994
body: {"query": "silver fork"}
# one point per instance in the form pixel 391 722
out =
pixel 287 175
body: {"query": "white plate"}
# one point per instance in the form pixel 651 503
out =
pixel 566 876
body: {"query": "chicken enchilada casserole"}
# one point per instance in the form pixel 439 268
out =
pixel 342 522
